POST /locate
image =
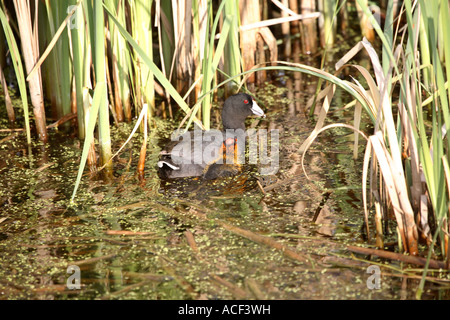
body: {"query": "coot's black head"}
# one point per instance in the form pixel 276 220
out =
pixel 237 108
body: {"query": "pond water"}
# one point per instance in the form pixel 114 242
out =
pixel 189 238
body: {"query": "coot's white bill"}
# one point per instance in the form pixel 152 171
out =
pixel 257 110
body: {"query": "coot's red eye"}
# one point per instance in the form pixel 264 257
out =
pixel 246 101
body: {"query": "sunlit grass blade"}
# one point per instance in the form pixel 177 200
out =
pixel 232 54
pixel 18 69
pixel 100 78
pixel 119 64
pixel 142 32
pixel 60 66
pixel 80 41
pixel 157 73
pixel 99 96
pixel 207 64
pixel 209 72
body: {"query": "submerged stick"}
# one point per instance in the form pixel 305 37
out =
pixel 60 121
pixel 236 291
pixel 92 260
pixel 263 240
pixel 398 256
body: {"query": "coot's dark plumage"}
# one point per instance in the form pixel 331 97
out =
pixel 186 158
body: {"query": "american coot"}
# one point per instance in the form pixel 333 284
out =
pixel 211 154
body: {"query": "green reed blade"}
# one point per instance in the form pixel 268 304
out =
pixel 18 69
pixel 157 73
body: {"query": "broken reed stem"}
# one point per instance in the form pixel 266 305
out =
pixel 379 225
pixel 29 40
pixel 143 152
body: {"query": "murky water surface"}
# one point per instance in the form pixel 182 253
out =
pixel 248 237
